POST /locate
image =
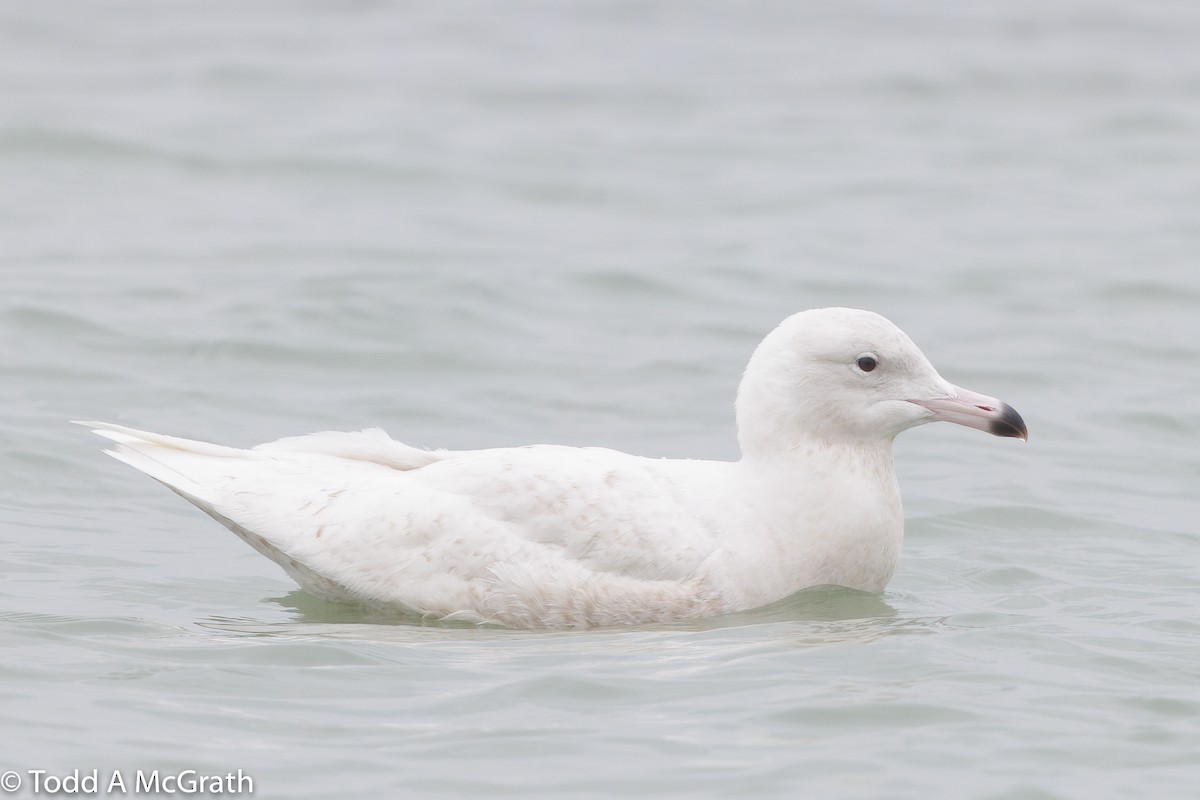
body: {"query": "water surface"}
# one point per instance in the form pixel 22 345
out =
pixel 572 223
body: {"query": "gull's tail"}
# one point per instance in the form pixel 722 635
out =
pixel 191 468
pixel 276 502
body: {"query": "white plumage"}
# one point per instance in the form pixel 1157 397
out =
pixel 549 536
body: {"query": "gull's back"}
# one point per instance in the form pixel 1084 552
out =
pixel 539 535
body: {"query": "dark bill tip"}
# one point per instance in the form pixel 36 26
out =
pixel 1009 423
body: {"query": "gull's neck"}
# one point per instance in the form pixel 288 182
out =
pixel 807 453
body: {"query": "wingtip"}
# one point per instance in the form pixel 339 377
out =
pixel 106 430
pixel 98 428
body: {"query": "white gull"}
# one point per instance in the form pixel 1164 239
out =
pixel 551 536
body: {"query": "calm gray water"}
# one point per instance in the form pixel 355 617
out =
pixel 500 223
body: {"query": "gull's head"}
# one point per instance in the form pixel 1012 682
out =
pixel 844 376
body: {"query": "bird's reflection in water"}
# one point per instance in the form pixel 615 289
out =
pixel 809 618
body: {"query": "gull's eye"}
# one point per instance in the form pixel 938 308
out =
pixel 867 362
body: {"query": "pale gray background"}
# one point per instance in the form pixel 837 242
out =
pixel 497 223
